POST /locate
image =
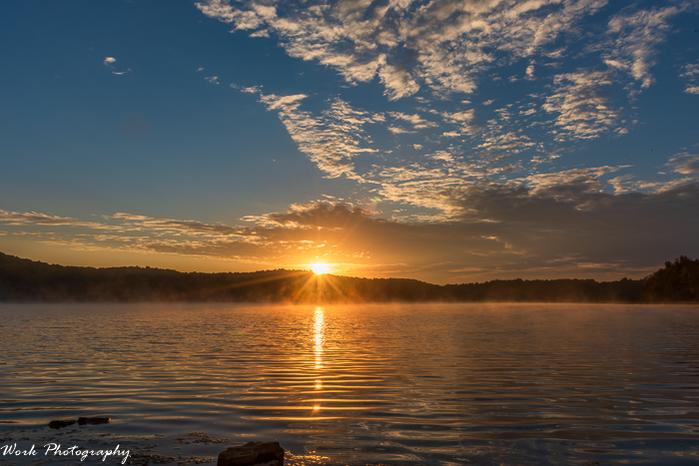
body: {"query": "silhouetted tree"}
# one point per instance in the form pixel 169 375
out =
pixel 678 281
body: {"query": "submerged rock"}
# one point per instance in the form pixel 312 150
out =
pixel 93 420
pixel 61 423
pixel 252 454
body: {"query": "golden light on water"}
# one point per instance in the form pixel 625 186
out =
pixel 318 335
pixel 320 268
pixel 319 324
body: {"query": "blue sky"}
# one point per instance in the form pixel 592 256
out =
pixel 442 140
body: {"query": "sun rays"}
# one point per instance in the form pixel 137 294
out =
pixel 320 285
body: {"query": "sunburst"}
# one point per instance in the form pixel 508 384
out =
pixel 320 268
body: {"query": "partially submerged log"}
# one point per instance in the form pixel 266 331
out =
pixel 252 454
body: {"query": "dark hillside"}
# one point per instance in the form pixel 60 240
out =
pixel 23 280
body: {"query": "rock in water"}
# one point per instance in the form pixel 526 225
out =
pixel 252 454
pixel 93 420
pixel 61 423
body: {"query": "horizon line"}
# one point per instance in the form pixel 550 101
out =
pixel 310 272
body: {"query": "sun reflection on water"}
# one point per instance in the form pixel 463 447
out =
pixel 319 324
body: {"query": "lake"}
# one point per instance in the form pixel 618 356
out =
pixel 363 384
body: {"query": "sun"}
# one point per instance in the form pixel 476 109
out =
pixel 320 268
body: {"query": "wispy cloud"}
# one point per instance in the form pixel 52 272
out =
pixel 332 139
pixel 30 218
pixel 690 73
pixel 634 39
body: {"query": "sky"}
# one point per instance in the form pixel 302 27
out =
pixel 448 141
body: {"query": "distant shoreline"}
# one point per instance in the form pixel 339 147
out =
pixel 27 281
pixel 341 303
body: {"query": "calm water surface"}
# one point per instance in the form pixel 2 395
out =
pixel 397 384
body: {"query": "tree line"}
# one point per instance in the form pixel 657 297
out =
pixel 23 280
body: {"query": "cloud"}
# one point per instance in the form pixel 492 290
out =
pixel 428 148
pixel 423 186
pixel 398 82
pixel 173 226
pixel 462 119
pixel 583 110
pixel 529 72
pixel 431 186
pixel 109 61
pixel 635 38
pixel 504 136
pixel 133 232
pixel 332 139
pixel 398 130
pixel 685 164
pixel 690 73
pixel 432 50
pixel 415 120
pixel 527 229
pixel 442 45
pixel 679 171
pixel 568 185
pixel 34 218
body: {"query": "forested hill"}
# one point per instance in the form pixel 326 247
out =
pixel 23 280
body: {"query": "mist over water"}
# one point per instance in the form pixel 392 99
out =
pixel 390 384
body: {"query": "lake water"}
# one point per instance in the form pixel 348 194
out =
pixel 390 384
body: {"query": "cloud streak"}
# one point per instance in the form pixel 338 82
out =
pixel 557 225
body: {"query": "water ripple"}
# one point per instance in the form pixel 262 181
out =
pixel 397 384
